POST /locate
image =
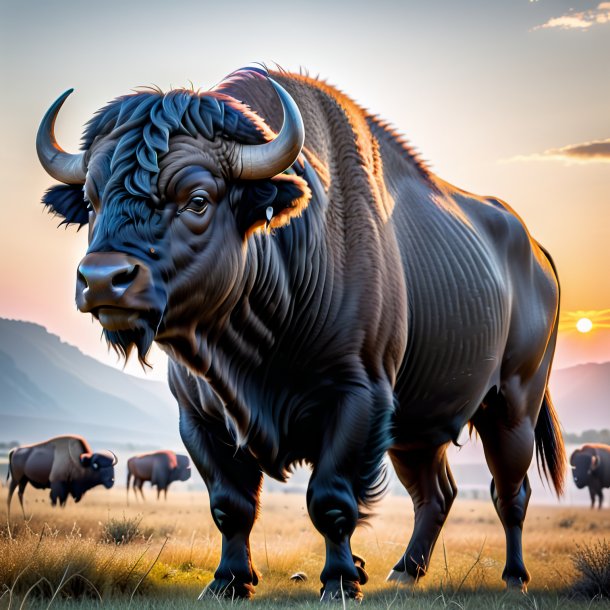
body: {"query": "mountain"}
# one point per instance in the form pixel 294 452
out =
pixel 49 387
pixel 581 395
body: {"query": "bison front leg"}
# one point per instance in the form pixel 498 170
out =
pixel 333 509
pixel 596 493
pixel 59 491
pixel 348 466
pixel 426 475
pixel 233 480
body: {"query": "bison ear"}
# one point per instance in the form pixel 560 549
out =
pixel 67 201
pixel 595 462
pixel 270 203
pixel 85 459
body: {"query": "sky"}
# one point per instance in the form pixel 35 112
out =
pixel 508 98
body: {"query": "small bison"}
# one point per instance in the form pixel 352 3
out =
pixel 591 468
pixel 66 464
pixel 160 468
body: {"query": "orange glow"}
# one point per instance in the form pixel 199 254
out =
pixel 584 321
pixel 584 325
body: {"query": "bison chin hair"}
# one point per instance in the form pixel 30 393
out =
pixel 140 336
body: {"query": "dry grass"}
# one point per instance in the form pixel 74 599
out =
pixel 176 549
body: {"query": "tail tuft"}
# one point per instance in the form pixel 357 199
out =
pixel 550 450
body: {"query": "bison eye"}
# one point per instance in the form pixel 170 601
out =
pixel 197 204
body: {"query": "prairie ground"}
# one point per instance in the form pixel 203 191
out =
pixel 62 557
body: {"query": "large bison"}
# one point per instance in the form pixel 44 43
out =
pixel 591 468
pixel 325 303
pixel 66 464
pixel 160 468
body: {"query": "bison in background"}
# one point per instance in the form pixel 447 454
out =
pixel 66 464
pixel 161 468
pixel 591 468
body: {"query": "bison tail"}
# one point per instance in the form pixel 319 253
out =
pixel 550 450
pixel 9 471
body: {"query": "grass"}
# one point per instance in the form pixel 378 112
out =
pixel 102 553
pixel 592 562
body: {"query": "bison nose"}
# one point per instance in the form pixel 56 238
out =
pixel 92 277
pixel 109 279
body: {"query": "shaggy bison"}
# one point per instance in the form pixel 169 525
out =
pixel 322 297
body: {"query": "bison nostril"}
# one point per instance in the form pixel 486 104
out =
pixel 81 279
pixel 126 277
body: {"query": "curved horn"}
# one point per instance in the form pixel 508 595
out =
pixel 115 459
pixel 258 161
pixel 67 168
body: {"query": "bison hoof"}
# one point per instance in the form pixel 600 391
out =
pixel 359 562
pixel 340 590
pixel 401 578
pixel 227 589
pixel 516 585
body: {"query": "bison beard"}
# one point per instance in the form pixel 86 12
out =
pixel 141 335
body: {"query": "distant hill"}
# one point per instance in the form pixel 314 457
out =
pixel 581 395
pixel 48 387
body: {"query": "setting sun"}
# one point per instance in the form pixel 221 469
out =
pixel 584 325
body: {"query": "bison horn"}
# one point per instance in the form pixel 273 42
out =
pixel 259 161
pixel 63 166
pixel 115 459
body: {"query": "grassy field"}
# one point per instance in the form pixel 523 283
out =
pixel 63 557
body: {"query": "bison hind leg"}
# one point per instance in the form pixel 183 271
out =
pixel 426 475
pixel 14 484
pixel 506 427
pixel 22 486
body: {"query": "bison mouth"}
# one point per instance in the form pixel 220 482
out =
pixel 125 329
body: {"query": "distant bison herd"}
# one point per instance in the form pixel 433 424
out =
pixel 68 466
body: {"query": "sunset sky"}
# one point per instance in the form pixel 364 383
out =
pixel 509 98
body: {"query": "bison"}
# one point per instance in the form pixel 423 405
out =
pixel 323 297
pixel 161 468
pixel 66 464
pixel 591 468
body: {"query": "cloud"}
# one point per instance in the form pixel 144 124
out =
pixel 596 151
pixel 582 20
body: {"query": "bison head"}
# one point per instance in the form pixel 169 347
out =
pixel 584 463
pixel 100 468
pixel 171 185
pixel 183 470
